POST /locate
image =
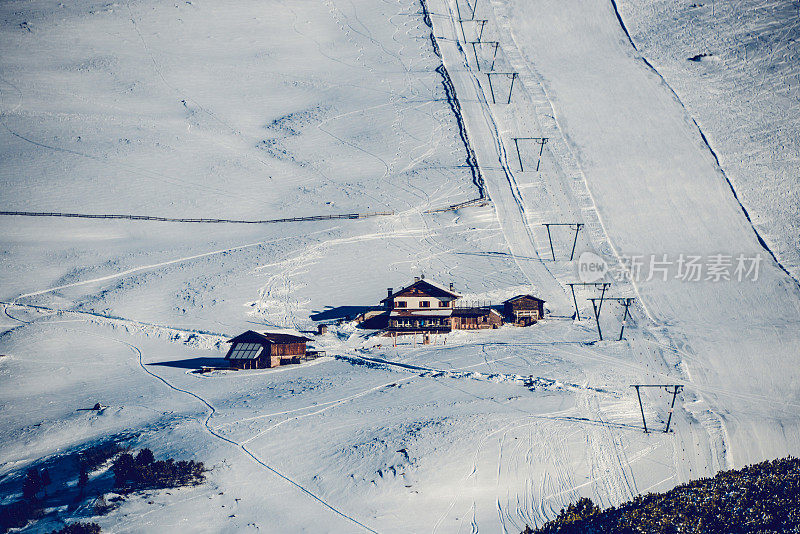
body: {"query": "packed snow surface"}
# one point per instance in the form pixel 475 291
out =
pixel 264 110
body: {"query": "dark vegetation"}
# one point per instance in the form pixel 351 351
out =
pixel 761 498
pixel 79 528
pixel 75 477
pixel 144 472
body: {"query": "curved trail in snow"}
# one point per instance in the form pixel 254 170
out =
pixel 242 446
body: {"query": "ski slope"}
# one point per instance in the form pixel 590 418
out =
pixel 735 68
pixel 642 190
pixel 305 108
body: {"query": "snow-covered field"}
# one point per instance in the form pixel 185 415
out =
pixel 262 110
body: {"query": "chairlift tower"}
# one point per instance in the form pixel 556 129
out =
pixel 626 302
pixel 597 285
pixel 676 388
pixel 541 140
pixel 474 44
pixel 577 226
pixel 511 89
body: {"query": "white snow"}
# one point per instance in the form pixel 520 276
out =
pixel 279 109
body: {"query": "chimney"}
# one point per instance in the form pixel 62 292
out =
pixel 416 279
pixel 451 286
pixel 389 291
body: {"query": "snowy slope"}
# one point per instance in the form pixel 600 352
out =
pixel 300 108
pixel 188 109
pixel 659 191
pixel 735 67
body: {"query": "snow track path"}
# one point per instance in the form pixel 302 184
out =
pixel 759 237
pixel 387 107
pixel 659 190
pixel 243 445
pixel 153 266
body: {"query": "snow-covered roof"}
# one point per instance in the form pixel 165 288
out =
pixel 518 297
pixel 265 335
pixel 438 290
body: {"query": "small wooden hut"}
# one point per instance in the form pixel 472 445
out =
pixel 475 319
pixel 524 310
pixel 261 350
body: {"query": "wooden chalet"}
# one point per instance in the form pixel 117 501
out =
pixel 524 310
pixel 421 295
pixel 475 318
pixel 262 350
pixel 426 308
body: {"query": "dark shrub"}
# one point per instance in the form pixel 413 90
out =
pixel 83 477
pixel 144 472
pixel 17 514
pixel 761 498
pixel 124 469
pixel 79 528
pixel 96 456
pixel 45 478
pixel 32 485
pixel 144 458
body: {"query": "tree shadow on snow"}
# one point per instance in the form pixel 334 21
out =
pixel 63 493
pixel 342 312
pixel 193 363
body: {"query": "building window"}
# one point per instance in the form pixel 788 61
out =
pixel 401 304
pixel 424 304
pixel 444 304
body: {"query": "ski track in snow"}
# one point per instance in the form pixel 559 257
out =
pixel 539 443
pixel 617 468
pixel 153 266
pixel 243 445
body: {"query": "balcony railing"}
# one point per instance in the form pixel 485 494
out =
pixel 439 328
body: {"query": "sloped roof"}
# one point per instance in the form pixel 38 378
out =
pixel 519 297
pixel 431 288
pixel 266 336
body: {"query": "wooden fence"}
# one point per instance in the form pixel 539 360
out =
pixel 481 201
pixel 187 220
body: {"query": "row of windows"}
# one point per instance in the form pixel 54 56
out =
pixel 417 323
pixel 423 304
